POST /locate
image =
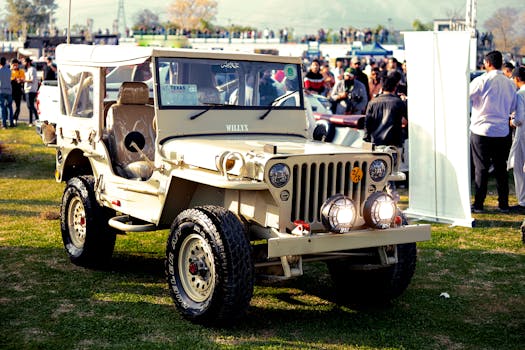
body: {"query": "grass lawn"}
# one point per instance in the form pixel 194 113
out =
pixel 48 303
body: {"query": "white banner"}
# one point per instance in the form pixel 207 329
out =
pixel 438 119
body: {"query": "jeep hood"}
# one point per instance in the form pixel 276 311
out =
pixel 206 151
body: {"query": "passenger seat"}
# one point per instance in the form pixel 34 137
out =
pixel 130 120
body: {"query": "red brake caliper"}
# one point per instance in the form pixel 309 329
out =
pixel 193 268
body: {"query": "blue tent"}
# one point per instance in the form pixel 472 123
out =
pixel 374 49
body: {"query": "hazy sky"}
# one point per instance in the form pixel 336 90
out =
pixel 303 16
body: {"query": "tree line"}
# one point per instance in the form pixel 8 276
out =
pixel 37 16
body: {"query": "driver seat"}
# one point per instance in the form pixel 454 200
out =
pixel 129 122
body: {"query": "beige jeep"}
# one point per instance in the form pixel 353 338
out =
pixel 215 147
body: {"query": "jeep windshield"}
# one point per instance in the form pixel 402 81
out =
pixel 201 83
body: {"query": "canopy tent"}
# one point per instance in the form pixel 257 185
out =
pixel 374 49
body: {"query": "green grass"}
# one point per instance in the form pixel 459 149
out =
pixel 48 303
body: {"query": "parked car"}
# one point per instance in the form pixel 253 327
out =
pixel 238 184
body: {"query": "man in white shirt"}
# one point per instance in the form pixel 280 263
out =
pixel 30 89
pixel 338 70
pixel 492 98
pixel 517 151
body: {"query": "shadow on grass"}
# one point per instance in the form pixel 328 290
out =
pixel 28 168
pixel 479 223
pixel 26 208
pixel 32 202
pixel 131 300
pixel 137 265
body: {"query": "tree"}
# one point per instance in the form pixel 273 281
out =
pixel 455 13
pixel 30 15
pixel 420 26
pixel 146 19
pixel 507 27
pixel 192 14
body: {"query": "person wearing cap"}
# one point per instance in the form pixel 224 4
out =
pixel 348 96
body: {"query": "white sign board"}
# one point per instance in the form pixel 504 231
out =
pixel 438 115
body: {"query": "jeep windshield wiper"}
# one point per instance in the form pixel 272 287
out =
pixel 210 105
pixel 265 114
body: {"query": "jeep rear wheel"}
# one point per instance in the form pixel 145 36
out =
pixel 373 286
pixel 209 266
pixel 87 238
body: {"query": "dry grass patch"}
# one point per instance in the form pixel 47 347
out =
pixel 50 215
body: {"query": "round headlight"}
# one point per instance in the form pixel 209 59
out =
pixel 379 210
pixel 279 175
pixel 377 170
pixel 338 214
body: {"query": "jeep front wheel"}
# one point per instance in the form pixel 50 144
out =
pixel 87 238
pixel 209 266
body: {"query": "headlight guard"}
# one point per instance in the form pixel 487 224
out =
pixel 338 214
pixel 379 210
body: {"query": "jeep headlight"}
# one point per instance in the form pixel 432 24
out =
pixel 377 170
pixel 338 214
pixel 379 210
pixel 279 175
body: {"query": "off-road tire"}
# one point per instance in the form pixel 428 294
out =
pixel 88 239
pixel 377 286
pixel 219 291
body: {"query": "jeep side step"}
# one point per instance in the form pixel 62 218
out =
pixel 125 223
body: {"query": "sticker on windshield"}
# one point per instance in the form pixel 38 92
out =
pixel 179 95
pixel 290 71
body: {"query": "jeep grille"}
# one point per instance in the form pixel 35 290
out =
pixel 314 182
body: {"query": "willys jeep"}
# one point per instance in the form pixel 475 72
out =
pixel 215 147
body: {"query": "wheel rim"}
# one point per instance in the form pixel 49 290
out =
pixel 196 268
pixel 77 222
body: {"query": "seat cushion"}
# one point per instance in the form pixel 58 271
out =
pixel 141 170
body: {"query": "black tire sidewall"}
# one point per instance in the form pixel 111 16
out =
pixel 233 287
pixel 100 239
pixel 183 229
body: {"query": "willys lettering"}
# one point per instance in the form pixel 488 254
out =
pixel 236 127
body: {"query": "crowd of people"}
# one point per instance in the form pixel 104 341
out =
pixel 497 122
pixel 353 82
pixel 17 84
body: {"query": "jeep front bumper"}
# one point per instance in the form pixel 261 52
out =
pixel 315 243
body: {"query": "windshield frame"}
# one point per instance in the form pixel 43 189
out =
pixel 230 67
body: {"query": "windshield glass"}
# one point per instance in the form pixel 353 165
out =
pixel 187 82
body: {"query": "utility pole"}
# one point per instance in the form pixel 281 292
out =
pixel 470 23
pixel 121 18
pixel 470 17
